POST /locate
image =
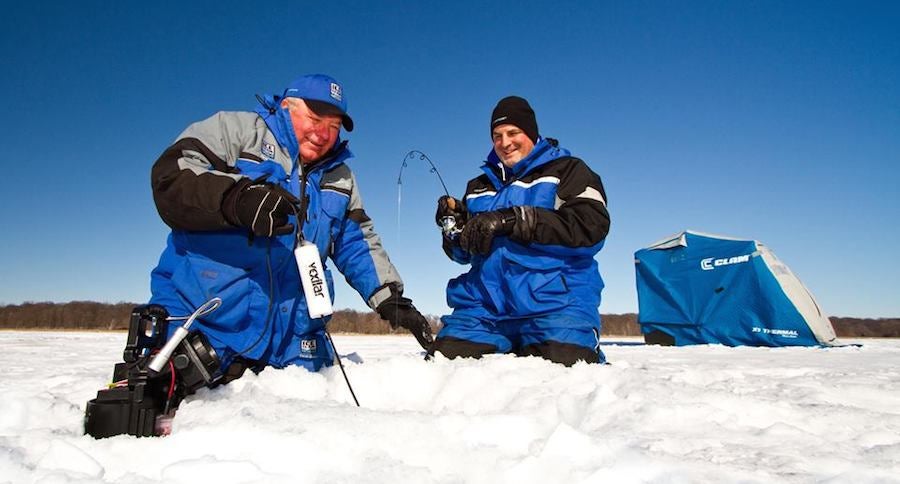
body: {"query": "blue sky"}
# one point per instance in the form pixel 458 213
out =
pixel 776 121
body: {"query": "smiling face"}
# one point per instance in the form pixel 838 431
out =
pixel 511 144
pixel 316 134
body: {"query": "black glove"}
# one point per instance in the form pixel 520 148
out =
pixel 450 207
pixel 478 234
pixel 262 207
pixel 400 312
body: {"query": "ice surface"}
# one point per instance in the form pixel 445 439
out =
pixel 655 414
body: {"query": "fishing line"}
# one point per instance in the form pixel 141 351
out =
pixel 422 156
pixel 433 169
pixel 450 227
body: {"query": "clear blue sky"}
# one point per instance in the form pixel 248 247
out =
pixel 772 120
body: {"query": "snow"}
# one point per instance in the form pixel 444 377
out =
pixel 655 414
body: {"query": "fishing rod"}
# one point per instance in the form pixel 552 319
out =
pixel 422 156
pixel 448 223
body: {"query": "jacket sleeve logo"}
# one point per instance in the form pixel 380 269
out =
pixel 268 150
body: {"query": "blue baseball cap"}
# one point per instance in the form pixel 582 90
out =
pixel 323 95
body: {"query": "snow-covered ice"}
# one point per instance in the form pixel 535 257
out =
pixel 655 414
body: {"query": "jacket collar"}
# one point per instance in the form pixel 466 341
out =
pixel 279 122
pixel 545 151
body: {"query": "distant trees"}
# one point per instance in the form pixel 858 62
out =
pixel 89 315
pixel 620 325
pixel 71 315
pixel 874 328
pixel 368 322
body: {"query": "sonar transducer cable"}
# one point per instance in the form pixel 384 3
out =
pixel 341 365
pixel 160 359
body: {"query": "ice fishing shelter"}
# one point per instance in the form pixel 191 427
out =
pixel 696 288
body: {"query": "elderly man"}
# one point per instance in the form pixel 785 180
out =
pixel 532 223
pixel 252 198
pixel 239 190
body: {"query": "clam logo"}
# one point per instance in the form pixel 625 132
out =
pixel 711 263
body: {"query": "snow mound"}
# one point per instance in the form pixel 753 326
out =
pixel 655 414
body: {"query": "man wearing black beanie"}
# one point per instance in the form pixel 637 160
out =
pixel 517 112
pixel 530 227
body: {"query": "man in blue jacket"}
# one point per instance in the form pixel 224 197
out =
pixel 531 226
pixel 240 190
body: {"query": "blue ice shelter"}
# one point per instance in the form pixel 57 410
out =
pixel 696 288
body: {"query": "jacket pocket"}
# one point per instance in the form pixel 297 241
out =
pixel 461 294
pixel 198 279
pixel 533 286
pixel 332 212
pixel 252 169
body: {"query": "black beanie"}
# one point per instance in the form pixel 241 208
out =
pixel 516 111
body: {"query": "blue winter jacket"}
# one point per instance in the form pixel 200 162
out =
pixel 553 271
pixel 263 315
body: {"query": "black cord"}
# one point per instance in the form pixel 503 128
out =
pixel 338 358
pixel 271 302
pixel 299 228
pixel 297 239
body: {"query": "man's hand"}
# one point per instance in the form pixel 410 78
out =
pixel 518 222
pixel 479 233
pixel 262 207
pixel 450 207
pixel 400 312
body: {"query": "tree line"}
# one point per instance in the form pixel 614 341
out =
pixel 89 315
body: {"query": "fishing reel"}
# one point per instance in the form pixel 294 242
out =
pixel 449 224
pixel 449 227
pixel 149 384
pixel 451 217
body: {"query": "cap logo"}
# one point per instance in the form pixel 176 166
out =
pixel 335 91
pixel 501 118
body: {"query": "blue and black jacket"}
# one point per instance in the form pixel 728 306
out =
pixel 553 271
pixel 264 310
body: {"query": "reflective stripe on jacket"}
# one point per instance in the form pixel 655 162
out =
pixel 257 278
pixel 554 271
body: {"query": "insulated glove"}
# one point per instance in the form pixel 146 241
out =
pixel 479 232
pixel 262 207
pixel 400 312
pixel 450 207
